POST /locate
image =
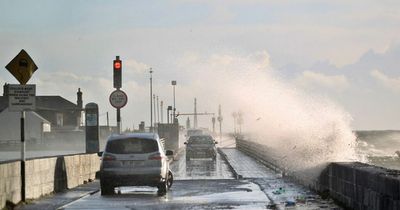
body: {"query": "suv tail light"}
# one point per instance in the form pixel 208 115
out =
pixel 108 157
pixel 156 156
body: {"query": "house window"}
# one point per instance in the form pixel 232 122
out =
pixel 60 119
pixel 46 127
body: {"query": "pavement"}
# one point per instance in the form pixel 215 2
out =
pixel 184 194
pixel 283 193
pixel 56 200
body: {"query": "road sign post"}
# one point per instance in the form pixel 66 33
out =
pixel 21 98
pixel 118 99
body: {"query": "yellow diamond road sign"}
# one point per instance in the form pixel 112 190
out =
pixel 22 67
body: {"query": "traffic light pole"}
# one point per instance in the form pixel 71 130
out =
pixel 117 76
pixel 119 120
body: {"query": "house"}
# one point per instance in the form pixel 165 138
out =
pixel 35 127
pixel 54 112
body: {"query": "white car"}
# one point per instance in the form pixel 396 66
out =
pixel 135 159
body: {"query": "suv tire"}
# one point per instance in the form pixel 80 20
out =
pixel 170 179
pixel 162 188
pixel 106 189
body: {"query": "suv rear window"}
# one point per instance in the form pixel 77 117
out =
pixel 201 140
pixel 132 145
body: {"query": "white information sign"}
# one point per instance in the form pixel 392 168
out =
pixel 118 99
pixel 21 97
pixel 91 119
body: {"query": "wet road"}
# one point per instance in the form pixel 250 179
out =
pixel 199 184
pixel 184 194
pixel 200 168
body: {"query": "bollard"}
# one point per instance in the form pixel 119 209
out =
pixel 92 127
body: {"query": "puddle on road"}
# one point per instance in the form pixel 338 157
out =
pixel 200 168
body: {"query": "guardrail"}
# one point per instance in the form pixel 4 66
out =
pixel 259 152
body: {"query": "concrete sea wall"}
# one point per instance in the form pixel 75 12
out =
pixel 45 175
pixel 361 186
pixel 354 185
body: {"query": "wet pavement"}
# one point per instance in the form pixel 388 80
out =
pixel 56 200
pixel 200 168
pixel 283 193
pixel 199 184
pixel 184 194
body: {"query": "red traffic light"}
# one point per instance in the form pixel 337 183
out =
pixel 117 65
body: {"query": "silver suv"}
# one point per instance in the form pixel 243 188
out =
pixel 135 159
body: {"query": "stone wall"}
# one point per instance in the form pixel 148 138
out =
pixel 46 175
pixel 10 182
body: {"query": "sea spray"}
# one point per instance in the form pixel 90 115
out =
pixel 305 130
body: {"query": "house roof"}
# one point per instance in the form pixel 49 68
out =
pixel 32 113
pixel 45 103
pixel 54 103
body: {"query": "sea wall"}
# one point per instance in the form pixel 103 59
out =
pixel 354 185
pixel 45 175
pixel 361 186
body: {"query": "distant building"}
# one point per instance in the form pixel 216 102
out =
pixel 56 112
pixel 10 131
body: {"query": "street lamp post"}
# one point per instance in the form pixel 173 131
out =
pixel 155 111
pixel 220 118
pixel 158 110
pixel 151 99
pixel 173 82
pixel 161 111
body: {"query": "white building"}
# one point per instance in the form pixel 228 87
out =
pixel 10 126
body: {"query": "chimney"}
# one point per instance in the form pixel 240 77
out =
pixel 79 97
pixel 5 89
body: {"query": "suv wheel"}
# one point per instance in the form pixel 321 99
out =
pixel 162 188
pixel 170 179
pixel 106 189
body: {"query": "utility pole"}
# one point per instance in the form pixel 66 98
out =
pixel 155 108
pixel 108 123
pixel 188 123
pixel 234 115
pixel 173 82
pixel 213 122
pixel 220 122
pixel 151 100
pixel 240 121
pixel 161 109
pixel 158 111
pixel 195 114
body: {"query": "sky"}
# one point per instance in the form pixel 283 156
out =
pixel 346 51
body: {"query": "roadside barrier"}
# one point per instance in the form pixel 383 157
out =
pixel 45 175
pixel 354 185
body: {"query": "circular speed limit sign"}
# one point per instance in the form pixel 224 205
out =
pixel 118 99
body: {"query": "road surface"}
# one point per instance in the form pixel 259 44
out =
pixel 233 181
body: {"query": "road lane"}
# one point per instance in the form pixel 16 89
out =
pixel 184 194
pixel 200 168
pixel 199 184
